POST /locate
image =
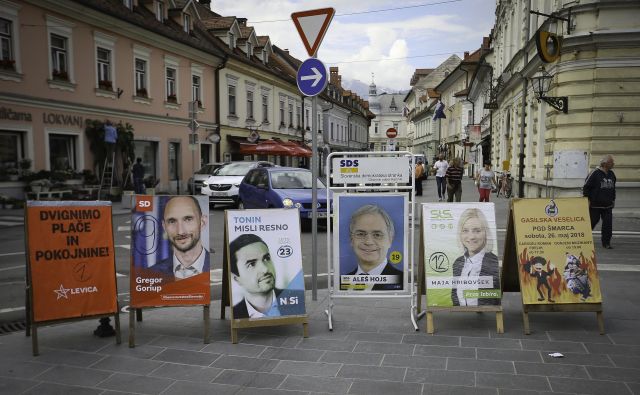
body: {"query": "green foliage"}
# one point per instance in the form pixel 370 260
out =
pixel 94 129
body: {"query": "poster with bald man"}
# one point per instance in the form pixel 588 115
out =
pixel 170 263
pixel 370 254
pixel 265 263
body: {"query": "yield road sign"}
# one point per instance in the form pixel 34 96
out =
pixel 312 25
pixel 311 77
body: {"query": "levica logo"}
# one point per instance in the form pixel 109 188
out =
pixel 349 166
pixel 144 203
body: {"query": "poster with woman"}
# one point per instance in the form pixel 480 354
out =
pixel 370 253
pixel 265 264
pixel 170 262
pixel 461 254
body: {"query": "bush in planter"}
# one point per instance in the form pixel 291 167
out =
pixel 40 185
pixel 151 182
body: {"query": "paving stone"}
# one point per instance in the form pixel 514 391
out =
pixel 372 372
pixel 178 371
pixel 614 374
pixel 432 340
pixel 510 344
pixel 331 385
pixel 268 391
pixel 250 379
pixel 475 365
pixel 578 359
pixel 187 357
pixel 307 368
pixel 578 336
pixel 626 362
pixel 73 375
pixel 509 355
pixel 136 383
pixel 179 342
pixel 613 349
pixel 625 339
pixel 327 344
pixel 59 389
pixel 500 380
pixel 292 354
pixel 441 351
pixel 385 348
pixel 593 387
pixel 503 391
pixel 67 357
pixel 414 361
pixel 22 369
pixel 441 389
pixel 372 387
pixel 187 387
pixel 142 351
pixel 634 387
pixel 553 346
pixel 433 376
pixel 244 350
pixel 127 365
pixel 552 370
pixel 10 385
pixel 375 337
pixel 245 363
pixel 353 358
pixel 262 340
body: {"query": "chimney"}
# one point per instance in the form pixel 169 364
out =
pixel 242 22
pixel 333 75
pixel 486 42
pixel 286 50
pixel 340 81
pixel 466 55
pixel 206 3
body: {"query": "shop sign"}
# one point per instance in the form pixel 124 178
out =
pixel 7 113
pixel 62 119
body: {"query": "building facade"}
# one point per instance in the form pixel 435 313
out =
pixel 389 112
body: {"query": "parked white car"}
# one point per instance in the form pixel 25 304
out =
pixel 222 186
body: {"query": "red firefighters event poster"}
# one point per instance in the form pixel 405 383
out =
pixel 170 251
pixel 71 259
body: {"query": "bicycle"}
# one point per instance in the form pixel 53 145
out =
pixel 505 184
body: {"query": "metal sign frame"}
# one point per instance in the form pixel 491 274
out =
pixel 410 291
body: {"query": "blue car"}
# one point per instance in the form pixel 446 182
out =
pixel 278 187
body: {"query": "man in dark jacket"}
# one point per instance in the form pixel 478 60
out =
pixel 600 189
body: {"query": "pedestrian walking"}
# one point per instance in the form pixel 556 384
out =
pixel 138 176
pixel 600 189
pixel 419 174
pixel 440 166
pixel 485 180
pixel 454 180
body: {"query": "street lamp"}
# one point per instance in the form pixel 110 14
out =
pixel 541 83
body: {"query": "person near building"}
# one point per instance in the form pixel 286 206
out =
pixel 440 166
pixel 485 180
pixel 600 189
pixel 110 136
pixel 454 180
pixel 138 176
pixel 419 174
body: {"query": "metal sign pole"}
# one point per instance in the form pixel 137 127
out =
pixel 314 199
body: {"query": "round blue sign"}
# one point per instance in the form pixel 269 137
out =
pixel 312 77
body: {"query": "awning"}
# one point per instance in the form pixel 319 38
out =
pixel 266 147
pixel 297 148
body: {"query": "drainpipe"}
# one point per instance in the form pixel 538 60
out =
pixel 524 104
pixel 217 85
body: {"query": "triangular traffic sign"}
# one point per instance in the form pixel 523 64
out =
pixel 312 25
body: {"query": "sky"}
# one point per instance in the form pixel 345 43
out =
pixel 389 38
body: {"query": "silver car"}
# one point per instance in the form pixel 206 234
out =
pixel 222 186
pixel 201 176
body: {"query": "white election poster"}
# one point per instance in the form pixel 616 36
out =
pixel 363 170
pixel 265 263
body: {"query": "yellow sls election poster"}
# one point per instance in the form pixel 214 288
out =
pixel 555 253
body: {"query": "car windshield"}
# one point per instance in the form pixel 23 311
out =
pixel 293 179
pixel 206 169
pixel 234 169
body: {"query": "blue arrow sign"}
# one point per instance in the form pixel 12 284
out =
pixel 311 77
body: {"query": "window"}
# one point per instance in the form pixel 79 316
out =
pixel 395 125
pixel 104 69
pixel 249 105
pixel 62 152
pixel 282 112
pixel 249 49
pixel 232 100
pixel 376 127
pixel 160 11
pixel 141 78
pixel 232 40
pixel 7 61
pixel 306 118
pixel 171 85
pixel 11 149
pixel 290 114
pixel 59 58
pixel 195 90
pixel 186 22
pixel 147 150
pixel 297 117
pixel 174 161
pixel 265 108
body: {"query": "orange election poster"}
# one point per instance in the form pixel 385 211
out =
pixel 170 262
pixel 71 259
pixel 555 253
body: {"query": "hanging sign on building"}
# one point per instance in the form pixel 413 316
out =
pixel 374 170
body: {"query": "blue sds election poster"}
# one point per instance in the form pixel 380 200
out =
pixel 265 263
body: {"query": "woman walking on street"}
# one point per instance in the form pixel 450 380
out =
pixel 454 180
pixel 485 179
